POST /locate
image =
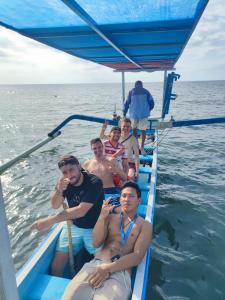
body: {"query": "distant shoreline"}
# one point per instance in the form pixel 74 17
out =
pixel 106 83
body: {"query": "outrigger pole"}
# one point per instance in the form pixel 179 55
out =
pixel 182 123
pixel 123 87
pixel 10 163
pixel 56 131
pixel 52 135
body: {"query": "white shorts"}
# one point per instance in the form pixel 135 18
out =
pixel 116 286
pixel 141 124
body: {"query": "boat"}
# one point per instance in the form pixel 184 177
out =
pixel 151 39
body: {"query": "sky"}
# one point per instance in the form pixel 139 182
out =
pixel 23 61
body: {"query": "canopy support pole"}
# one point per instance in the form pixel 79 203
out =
pixel 164 88
pixel 123 87
pixel 8 287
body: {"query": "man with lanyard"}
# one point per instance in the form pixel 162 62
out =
pixel 124 238
pixel 84 194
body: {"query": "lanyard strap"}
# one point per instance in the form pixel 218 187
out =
pixel 126 234
pixel 126 138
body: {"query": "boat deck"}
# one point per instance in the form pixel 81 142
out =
pixel 44 285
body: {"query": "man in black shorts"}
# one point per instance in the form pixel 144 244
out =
pixel 84 194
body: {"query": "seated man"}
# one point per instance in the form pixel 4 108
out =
pixel 132 147
pixel 113 149
pixel 131 144
pixel 84 194
pixel 125 238
pixel 104 168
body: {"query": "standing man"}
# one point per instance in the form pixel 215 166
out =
pixel 84 194
pixel 140 103
pixel 124 239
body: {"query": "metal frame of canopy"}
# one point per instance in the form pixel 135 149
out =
pixel 144 58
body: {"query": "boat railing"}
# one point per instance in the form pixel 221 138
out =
pixel 52 135
pixel 154 123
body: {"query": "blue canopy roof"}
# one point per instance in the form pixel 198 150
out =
pixel 121 34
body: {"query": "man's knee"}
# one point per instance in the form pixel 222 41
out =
pixel 78 290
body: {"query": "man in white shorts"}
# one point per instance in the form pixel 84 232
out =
pixel 124 239
pixel 139 102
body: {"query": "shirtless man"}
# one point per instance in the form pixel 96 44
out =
pixel 125 238
pixel 104 168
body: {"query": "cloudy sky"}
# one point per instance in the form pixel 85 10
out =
pixel 26 61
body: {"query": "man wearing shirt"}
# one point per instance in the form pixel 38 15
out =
pixel 114 149
pixel 84 194
pixel 140 103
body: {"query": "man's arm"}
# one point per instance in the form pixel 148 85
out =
pixel 125 165
pixel 57 199
pixel 57 196
pixel 102 135
pixel 86 165
pixel 127 104
pixel 151 102
pixel 136 153
pixel 100 229
pixel 68 214
pixel 115 169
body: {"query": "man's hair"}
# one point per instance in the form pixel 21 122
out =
pixel 138 83
pixel 133 185
pixel 115 128
pixel 68 160
pixel 125 120
pixel 96 140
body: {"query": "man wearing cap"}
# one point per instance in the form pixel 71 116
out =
pixel 84 194
pixel 115 150
pixel 140 103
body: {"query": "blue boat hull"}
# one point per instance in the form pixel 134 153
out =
pixel 34 280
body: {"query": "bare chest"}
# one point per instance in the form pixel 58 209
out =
pixel 126 236
pixel 96 167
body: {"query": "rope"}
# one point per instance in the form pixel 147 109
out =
pixel 70 244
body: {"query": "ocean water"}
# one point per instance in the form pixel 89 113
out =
pixel 188 246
